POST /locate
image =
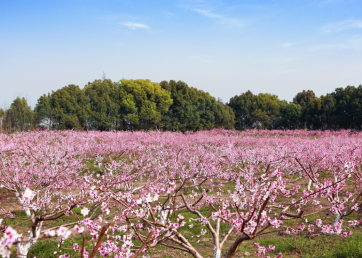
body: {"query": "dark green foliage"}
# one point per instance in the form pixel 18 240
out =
pixel 70 107
pixel 256 111
pixel 19 116
pixel 194 109
pixel 341 109
pixel 224 117
pixel 104 105
pixel 66 108
pixel 304 97
pixel 243 107
pixel 142 104
pixel 43 110
pixel 289 116
pixel 348 109
pixel 328 118
pixel 266 111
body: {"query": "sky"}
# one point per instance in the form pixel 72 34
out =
pixel 222 47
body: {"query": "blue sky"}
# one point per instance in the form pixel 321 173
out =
pixel 222 47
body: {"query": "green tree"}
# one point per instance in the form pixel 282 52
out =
pixel 182 115
pixel 303 99
pixel 313 114
pixel 289 116
pixel 2 117
pixel 194 109
pixel 206 108
pixel 343 108
pixel 348 109
pixel 224 117
pixel 266 111
pixel 43 110
pixel 19 115
pixel 142 103
pixel 2 113
pixel 328 112
pixel 104 104
pixel 70 107
pixel 356 104
pixel 243 107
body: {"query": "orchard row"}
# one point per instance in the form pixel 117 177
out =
pixel 124 194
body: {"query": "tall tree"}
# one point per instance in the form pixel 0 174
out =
pixel 313 114
pixel 142 103
pixel 243 107
pixel 194 109
pixel 224 116
pixel 182 115
pixel 266 111
pixel 70 107
pixel 344 109
pixel 2 119
pixel 289 116
pixel 43 111
pixel 19 115
pixel 328 103
pixel 357 108
pixel 104 104
pixel 303 99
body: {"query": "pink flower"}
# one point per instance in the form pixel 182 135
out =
pixel 78 229
pixel 85 211
pixel 319 222
pixel 63 232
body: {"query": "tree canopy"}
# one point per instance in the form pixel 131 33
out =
pixel 194 109
pixel 18 117
pixel 142 103
pixel 169 105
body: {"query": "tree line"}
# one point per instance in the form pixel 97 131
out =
pixel 341 109
pixel 144 105
pixel 124 105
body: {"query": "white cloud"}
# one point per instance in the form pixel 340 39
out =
pixel 343 25
pixel 168 14
pixel 223 19
pixel 133 25
pixel 287 44
pixel 208 13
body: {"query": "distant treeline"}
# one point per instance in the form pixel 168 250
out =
pixel 144 105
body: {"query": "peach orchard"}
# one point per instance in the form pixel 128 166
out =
pixel 134 190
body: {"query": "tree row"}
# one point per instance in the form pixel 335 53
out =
pixel 341 109
pixel 143 105
pixel 125 105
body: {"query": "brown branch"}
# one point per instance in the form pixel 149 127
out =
pixel 297 216
pixel 144 245
pixel 83 246
pixel 175 247
pixel 95 250
pixel 235 245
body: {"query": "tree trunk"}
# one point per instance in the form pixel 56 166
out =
pixel 22 250
pixel 234 247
